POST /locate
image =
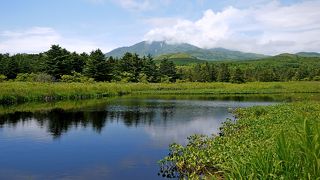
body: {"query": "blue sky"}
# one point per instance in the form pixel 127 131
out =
pixel 262 26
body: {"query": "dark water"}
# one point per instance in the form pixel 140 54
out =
pixel 120 139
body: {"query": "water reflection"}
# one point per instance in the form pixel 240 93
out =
pixel 119 139
pixel 159 117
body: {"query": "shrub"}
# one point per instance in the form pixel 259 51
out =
pixel 76 77
pixel 43 77
pixel 68 78
pixel 127 77
pixel 182 80
pixel 316 78
pixel 32 77
pixel 24 77
pixel 165 79
pixel 2 77
pixel 143 78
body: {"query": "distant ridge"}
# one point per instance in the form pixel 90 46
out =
pixel 159 48
pixel 308 54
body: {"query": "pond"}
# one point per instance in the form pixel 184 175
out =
pixel 121 138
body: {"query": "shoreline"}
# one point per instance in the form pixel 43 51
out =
pixel 21 92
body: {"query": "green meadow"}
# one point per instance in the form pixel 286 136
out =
pixel 19 92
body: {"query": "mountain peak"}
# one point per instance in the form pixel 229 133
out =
pixel 158 48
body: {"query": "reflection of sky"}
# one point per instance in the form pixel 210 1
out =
pixel 24 130
pixel 122 140
pixel 179 132
pixel 184 118
pixel 185 121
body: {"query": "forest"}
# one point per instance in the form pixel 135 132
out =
pixel 60 65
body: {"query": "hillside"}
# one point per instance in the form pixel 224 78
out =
pixel 180 58
pixel 282 60
pixel 308 54
pixel 158 48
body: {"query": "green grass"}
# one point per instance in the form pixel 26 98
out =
pixel 18 92
pixel 48 106
pixel 272 142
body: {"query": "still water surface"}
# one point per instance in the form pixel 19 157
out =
pixel 119 139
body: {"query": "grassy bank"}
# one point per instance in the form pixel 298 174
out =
pixel 17 92
pixel 87 103
pixel 272 142
pixel 33 107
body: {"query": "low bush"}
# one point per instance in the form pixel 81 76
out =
pixel 32 77
pixel 76 77
pixel 2 78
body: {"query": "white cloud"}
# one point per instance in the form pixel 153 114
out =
pixel 29 40
pixel 135 5
pixel 162 21
pixel 269 29
pixel 39 39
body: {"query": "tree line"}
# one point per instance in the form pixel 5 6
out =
pixel 58 64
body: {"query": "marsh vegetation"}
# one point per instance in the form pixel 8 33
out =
pixel 272 142
pixel 19 92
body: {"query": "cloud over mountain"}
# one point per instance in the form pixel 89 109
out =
pixel 269 29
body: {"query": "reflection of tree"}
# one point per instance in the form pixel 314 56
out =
pixel 59 121
pixel 167 111
pixel 14 118
pixel 98 120
pixel 134 118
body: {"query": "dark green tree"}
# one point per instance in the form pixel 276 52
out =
pixel 196 73
pixel 237 76
pixel 11 68
pixel 133 65
pixel 77 61
pixel 58 62
pixel 97 67
pixel 214 73
pixel 205 72
pixel 150 69
pixel 3 63
pixel 266 75
pixel 168 68
pixel 223 73
pixel 302 73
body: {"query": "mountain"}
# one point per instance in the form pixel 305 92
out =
pixel 180 58
pixel 308 54
pixel 155 48
pixel 158 48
